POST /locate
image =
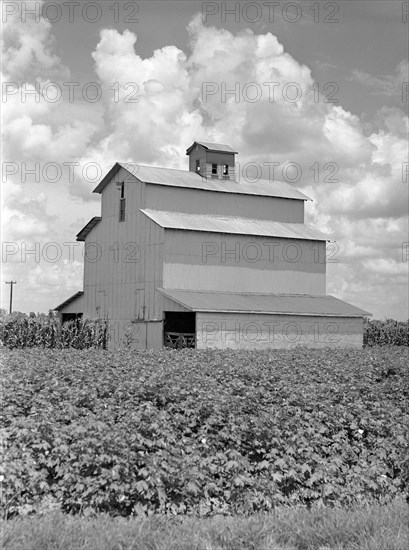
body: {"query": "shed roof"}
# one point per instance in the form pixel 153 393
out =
pixel 87 228
pixel 218 147
pixel 185 178
pixel 233 225
pixel 69 300
pixel 280 304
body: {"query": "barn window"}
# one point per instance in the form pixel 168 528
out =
pixel 214 169
pixel 225 169
pixel 197 166
pixel 122 203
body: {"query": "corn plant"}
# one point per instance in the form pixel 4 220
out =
pixel 19 330
pixel 386 333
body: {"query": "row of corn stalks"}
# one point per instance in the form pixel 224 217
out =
pixel 386 333
pixel 22 331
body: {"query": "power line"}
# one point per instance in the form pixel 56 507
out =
pixel 11 283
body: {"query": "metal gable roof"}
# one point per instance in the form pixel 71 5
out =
pixel 107 178
pixel 69 300
pixel 281 304
pixel 218 147
pixel 233 225
pixel 191 180
pixel 87 228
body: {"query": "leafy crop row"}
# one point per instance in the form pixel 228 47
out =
pixel 386 333
pixel 19 330
pixel 203 432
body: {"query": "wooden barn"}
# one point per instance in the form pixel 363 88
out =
pixel 197 258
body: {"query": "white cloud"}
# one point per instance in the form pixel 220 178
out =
pixel 386 85
pixel 153 108
pixel 28 44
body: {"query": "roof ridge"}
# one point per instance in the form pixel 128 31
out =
pixel 210 301
pixel 176 177
pixel 237 181
pixel 247 293
pixel 214 223
pixel 224 217
pixel 123 164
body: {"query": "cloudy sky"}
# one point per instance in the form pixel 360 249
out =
pixel 319 91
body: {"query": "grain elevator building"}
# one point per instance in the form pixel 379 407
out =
pixel 198 258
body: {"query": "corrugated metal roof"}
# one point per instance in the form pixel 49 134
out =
pixel 282 304
pixel 219 147
pixel 185 178
pixel 69 300
pixel 107 178
pixel 87 228
pixel 233 225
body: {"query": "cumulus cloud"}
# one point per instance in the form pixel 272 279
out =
pixel 27 218
pixel 243 89
pixel 37 132
pixel 385 85
pixel 28 44
pixel 35 127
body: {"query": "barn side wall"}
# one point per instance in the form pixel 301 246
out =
pixel 258 331
pixel 123 266
pixel 121 282
pixel 196 201
pixel 195 260
pixel 196 153
pixel 76 306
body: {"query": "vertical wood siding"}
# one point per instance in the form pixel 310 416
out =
pixel 207 158
pixel 76 306
pixel 256 331
pixel 120 283
pixel 222 262
pixel 196 201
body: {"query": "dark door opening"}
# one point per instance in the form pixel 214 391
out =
pixel 179 329
pixel 70 317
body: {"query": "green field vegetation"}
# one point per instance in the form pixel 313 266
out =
pixel 367 528
pixel 386 333
pixel 19 330
pixel 203 433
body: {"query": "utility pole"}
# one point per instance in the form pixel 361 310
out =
pixel 11 283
